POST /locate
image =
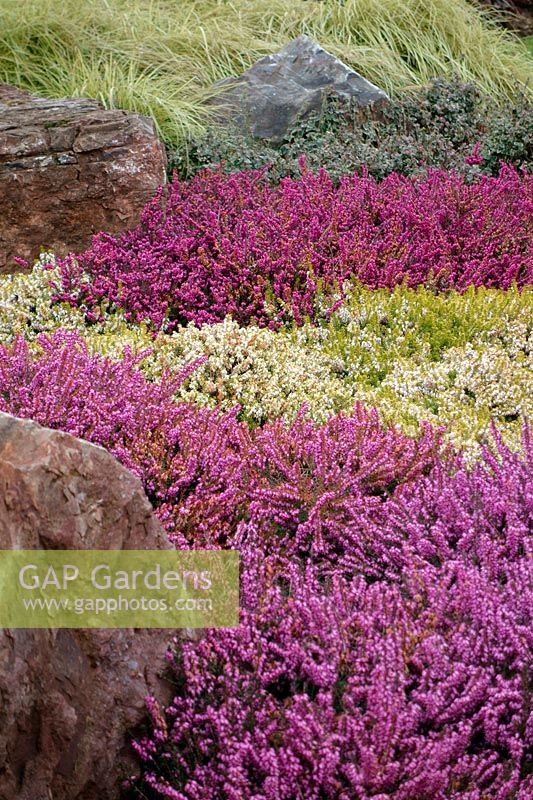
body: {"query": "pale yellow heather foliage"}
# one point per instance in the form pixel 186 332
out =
pixel 460 361
pixel 26 308
pixel 375 328
pixel 264 372
pixel 466 391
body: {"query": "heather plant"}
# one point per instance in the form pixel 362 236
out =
pixel 27 306
pixel 360 693
pixel 339 683
pixel 458 360
pixel 385 632
pixel 266 374
pixel 468 389
pixel 234 246
pixel 190 459
pixel 442 126
pixel 373 329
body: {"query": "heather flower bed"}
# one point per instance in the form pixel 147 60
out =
pixel 354 690
pixel 319 353
pixel 459 360
pixel 334 380
pixel 385 641
pixel 233 245
pixel 191 460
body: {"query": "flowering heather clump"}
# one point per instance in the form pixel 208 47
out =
pixel 204 471
pixel 469 385
pixel 268 374
pixel 356 692
pixel 459 360
pixel 385 642
pixel 233 245
pixel 408 688
pixel 186 457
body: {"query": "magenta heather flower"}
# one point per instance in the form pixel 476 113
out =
pixel 352 690
pixel 204 471
pixel 233 245
pixel 340 687
pixel 386 639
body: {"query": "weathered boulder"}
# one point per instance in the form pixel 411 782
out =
pixel 68 698
pixel 68 169
pixel 267 99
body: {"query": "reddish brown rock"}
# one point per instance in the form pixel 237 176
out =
pixel 68 169
pixel 514 14
pixel 68 698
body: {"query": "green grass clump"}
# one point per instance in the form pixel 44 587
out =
pixel 160 57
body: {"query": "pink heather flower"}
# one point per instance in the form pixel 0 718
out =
pixel 386 638
pixel 476 156
pixel 234 245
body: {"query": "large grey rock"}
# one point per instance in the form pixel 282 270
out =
pixel 69 698
pixel 268 98
pixel 68 169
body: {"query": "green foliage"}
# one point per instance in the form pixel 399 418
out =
pixel 377 328
pixel 160 57
pixel 438 126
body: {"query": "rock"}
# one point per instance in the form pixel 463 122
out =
pixel 517 15
pixel 68 169
pixel 268 98
pixel 68 698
